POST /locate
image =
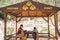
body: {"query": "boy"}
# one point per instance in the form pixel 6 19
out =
pixel 19 29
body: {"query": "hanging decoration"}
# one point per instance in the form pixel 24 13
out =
pixel 24 7
pixel 32 7
pixel 29 5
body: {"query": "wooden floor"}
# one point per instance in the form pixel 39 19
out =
pixel 41 39
pixel 33 39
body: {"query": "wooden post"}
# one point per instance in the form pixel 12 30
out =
pixel 16 27
pixel 56 32
pixel 48 30
pixel 5 22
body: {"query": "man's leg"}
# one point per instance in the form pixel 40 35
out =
pixel 34 36
pixel 27 35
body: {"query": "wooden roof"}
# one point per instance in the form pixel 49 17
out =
pixel 30 9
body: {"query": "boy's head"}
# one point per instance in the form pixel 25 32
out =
pixel 21 26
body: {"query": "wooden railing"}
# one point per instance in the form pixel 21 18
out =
pixel 8 37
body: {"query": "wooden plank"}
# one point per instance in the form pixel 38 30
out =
pixel 48 30
pixel 46 37
pixel 5 22
pixel 53 12
pixel 32 16
pixel 16 36
pixel 45 19
pixel 38 12
pixel 56 32
pixel 16 27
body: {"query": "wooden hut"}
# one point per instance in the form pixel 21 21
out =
pixel 31 9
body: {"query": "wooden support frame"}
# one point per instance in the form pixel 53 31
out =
pixel 16 27
pixel 5 16
pixel 45 19
pixel 56 32
pixel 5 22
pixel 19 19
pixel 48 30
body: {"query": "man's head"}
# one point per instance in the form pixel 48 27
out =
pixel 21 26
pixel 34 27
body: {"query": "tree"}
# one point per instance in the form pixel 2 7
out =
pixel 2 15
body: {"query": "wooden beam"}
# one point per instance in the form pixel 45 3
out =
pixel 12 14
pixel 16 27
pixel 45 19
pixel 56 32
pixel 36 13
pixel 53 12
pixel 19 13
pixel 5 22
pixel 19 19
pixel 28 13
pixel 32 16
pixel 48 30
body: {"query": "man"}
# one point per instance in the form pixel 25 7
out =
pixel 20 29
pixel 35 31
